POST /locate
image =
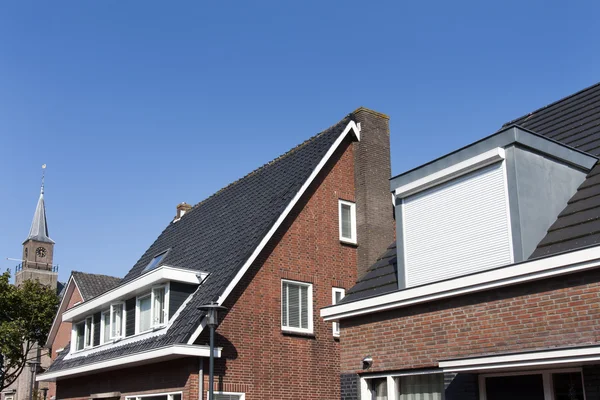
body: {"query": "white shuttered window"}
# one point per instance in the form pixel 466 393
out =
pixel 458 227
pixel 296 306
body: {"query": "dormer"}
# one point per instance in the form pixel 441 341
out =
pixel 484 206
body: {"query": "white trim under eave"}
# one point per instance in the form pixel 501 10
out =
pixel 451 172
pixel 529 359
pixel 168 352
pixel 351 127
pixel 155 277
pixel 528 271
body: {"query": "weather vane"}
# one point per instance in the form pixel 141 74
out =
pixel 43 176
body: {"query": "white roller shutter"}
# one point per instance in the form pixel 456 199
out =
pixel 458 227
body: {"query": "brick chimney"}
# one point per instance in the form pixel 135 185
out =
pixel 182 208
pixel 372 171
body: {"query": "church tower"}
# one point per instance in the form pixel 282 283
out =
pixel 38 250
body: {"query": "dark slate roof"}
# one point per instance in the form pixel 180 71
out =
pixel 381 278
pixel 219 234
pixel 574 121
pixel 91 285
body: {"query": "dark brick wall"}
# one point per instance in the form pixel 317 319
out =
pixel 372 170
pixel 461 387
pixel 349 387
pixel 591 381
pixel 557 312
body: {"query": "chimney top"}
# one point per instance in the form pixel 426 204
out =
pixel 182 208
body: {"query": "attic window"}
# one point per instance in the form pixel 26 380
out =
pixel 155 261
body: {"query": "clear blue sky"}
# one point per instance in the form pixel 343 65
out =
pixel 138 105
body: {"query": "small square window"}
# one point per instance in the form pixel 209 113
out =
pixel 347 220
pixel 337 294
pixel 296 307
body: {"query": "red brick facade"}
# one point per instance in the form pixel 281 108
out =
pixel 558 312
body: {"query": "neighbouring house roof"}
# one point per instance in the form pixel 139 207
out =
pixel 220 234
pixel 91 285
pixel 573 121
pixel 39 225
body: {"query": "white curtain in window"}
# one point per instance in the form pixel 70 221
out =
pixel 145 305
pixel 106 325
pixel 420 387
pixel 294 305
pixel 159 306
pixel 79 335
pixel 117 318
pixel 88 332
pixel 346 221
pixel 379 389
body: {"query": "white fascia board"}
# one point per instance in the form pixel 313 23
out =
pixel 451 172
pixel 350 128
pixel 552 357
pixel 151 356
pixel 144 282
pixel 528 271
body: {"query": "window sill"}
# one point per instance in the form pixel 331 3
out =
pixel 308 335
pixel 347 242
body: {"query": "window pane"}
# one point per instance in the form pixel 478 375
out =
pixel 176 396
pixel 284 305
pixel 158 397
pixel 79 335
pixel 117 315
pixel 159 306
pixel 106 325
pixel 519 387
pixel 567 386
pixel 420 387
pixel 346 221
pixel 304 306
pixel 338 297
pixel 294 306
pixel 379 389
pixel 88 332
pixel 144 305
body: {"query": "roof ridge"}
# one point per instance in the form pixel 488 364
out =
pixel 282 156
pixel 91 273
pixel 551 104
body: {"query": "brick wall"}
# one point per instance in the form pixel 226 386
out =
pixel 258 358
pixel 170 376
pixel 558 312
pixel 63 335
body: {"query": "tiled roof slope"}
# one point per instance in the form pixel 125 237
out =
pixel 381 277
pixel 91 285
pixel 219 234
pixel 574 121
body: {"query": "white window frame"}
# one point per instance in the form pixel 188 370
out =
pixel 169 395
pixel 352 205
pixel 392 383
pixel 242 396
pixel 89 331
pixel 308 330
pixel 103 323
pixel 546 378
pixel 123 319
pixel 336 325
pixel 74 336
pixel 153 325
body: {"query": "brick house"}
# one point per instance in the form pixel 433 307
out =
pixel 273 247
pixel 80 287
pixel 491 289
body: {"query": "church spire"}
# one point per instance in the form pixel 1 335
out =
pixel 39 225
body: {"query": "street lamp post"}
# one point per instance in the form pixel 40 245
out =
pixel 212 320
pixel 33 365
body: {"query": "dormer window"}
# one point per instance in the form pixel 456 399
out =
pixel 155 261
pixel 83 334
pixel 151 310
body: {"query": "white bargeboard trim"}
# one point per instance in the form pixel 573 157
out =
pixel 451 172
pixel 151 356
pixel 351 127
pixel 155 277
pixel 528 271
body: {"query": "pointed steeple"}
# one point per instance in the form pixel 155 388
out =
pixel 39 225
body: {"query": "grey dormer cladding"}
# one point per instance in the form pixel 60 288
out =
pixel 542 175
